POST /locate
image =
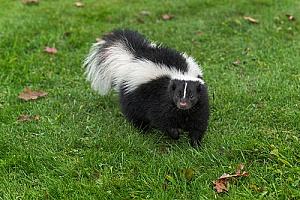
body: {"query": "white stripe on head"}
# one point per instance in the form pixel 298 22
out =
pixel 184 91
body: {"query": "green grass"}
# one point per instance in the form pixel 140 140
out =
pixel 82 147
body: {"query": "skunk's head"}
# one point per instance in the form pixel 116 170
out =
pixel 186 94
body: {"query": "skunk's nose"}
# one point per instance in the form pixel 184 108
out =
pixel 183 105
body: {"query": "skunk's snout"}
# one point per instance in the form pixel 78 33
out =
pixel 182 105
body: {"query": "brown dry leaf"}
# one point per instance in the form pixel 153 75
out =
pixel 50 50
pixel 220 185
pixel 238 170
pixel 222 182
pixel 30 1
pixel 237 62
pixel 250 19
pixel 247 50
pixel 224 176
pixel 138 18
pixel 241 73
pixel 23 118
pixel 40 93
pixel 200 33
pixel 37 118
pixel 164 150
pixel 31 95
pixel 166 16
pixel 78 4
pixel 27 118
pixel 290 17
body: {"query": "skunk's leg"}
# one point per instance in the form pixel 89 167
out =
pixel 196 138
pixel 141 125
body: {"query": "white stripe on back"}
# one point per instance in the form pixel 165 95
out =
pixel 119 66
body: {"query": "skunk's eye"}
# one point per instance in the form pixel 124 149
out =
pixel 191 96
pixel 177 95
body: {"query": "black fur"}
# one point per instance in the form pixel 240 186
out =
pixel 170 101
pixel 141 48
pixel 156 104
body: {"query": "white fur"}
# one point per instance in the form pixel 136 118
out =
pixel 119 66
pixel 184 91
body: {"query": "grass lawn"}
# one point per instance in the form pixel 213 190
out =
pixel 77 145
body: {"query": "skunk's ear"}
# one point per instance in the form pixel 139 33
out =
pixel 172 85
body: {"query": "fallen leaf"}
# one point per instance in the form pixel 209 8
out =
pixel 164 150
pixel 290 17
pixel 27 96
pixel 250 19
pixel 138 18
pixel 23 118
pixel 67 34
pixel 171 179
pixel 200 33
pixel 245 173
pixel 253 187
pixel 145 12
pixel 238 170
pixel 27 118
pixel 259 189
pixel 166 16
pixel 220 185
pixel 224 176
pixel 37 118
pixel 189 174
pixel 30 1
pixel 31 95
pixel 221 182
pixel 50 50
pixel 40 93
pixel 247 50
pixel 1 105
pixel 241 73
pixel 237 62
pixel 78 4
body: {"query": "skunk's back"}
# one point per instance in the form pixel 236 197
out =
pixel 141 48
pixel 126 58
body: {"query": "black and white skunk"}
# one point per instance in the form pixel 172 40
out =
pixel 157 86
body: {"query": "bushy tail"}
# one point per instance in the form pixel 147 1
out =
pixel 106 65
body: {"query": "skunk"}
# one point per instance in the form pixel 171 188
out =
pixel 158 87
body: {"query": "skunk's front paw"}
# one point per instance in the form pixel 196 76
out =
pixel 195 143
pixel 196 139
pixel 173 133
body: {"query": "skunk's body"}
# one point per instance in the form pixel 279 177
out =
pixel 157 86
